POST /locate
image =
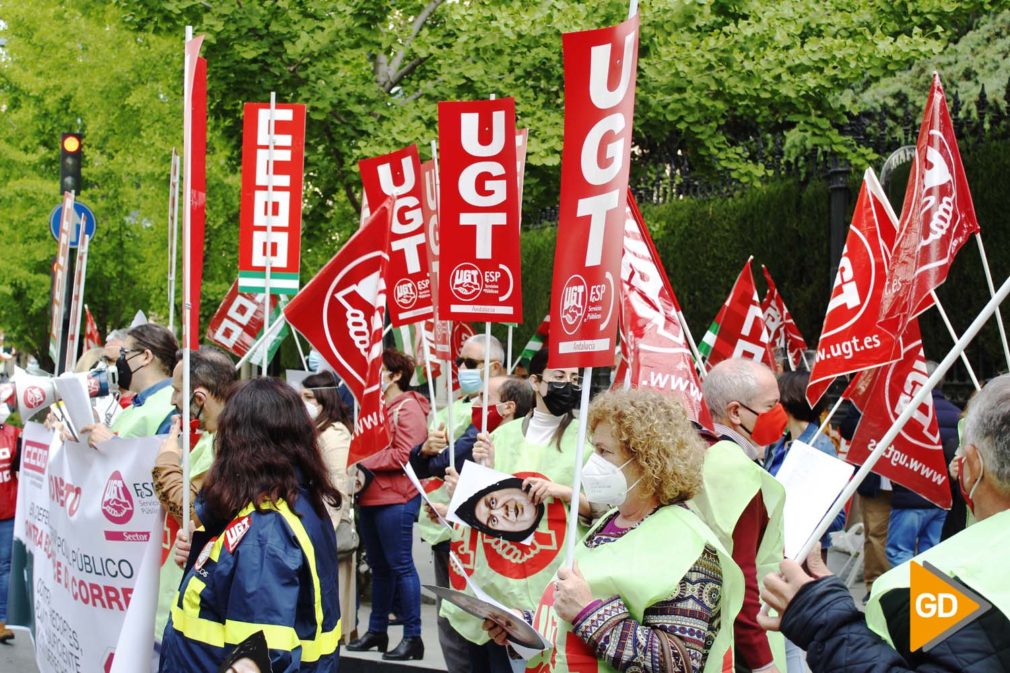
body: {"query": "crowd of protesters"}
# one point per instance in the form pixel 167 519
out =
pixel 680 528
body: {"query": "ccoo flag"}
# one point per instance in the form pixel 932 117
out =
pixel 739 331
pixel 938 216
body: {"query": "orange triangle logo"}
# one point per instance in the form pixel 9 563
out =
pixel 940 606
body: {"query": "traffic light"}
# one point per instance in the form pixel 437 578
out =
pixel 70 163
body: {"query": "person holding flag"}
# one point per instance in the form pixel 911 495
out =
pixel 145 365
pixel 741 501
pixel 816 610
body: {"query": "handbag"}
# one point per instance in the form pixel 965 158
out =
pixel 347 537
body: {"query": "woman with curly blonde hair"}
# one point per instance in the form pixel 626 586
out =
pixel 652 588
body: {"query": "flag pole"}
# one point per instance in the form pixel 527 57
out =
pixel 992 292
pixel 267 334
pixel 694 346
pixel 427 368
pixel 580 449
pixel 173 235
pixel 953 335
pixel 270 226
pixel 487 377
pixel 508 354
pixel 187 283
pixel 920 396
pixel 450 428
pixel 827 419
pixel 301 353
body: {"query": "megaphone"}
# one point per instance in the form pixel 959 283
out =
pixel 35 393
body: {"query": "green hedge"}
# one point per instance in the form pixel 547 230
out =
pixel 703 243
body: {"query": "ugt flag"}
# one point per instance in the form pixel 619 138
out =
pixel 782 329
pixel 851 340
pixel 738 330
pixel 936 219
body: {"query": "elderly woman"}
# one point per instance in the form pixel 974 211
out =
pixel 652 589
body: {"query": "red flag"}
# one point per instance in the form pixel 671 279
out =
pixel 479 211
pixel 283 201
pixel 739 331
pixel 915 459
pixel 654 349
pixel 936 219
pixel 371 429
pixel 335 309
pixel 239 320
pixel 398 174
pixel 92 339
pixel 600 70
pixel 782 330
pixel 429 210
pixel 195 155
pixel 851 340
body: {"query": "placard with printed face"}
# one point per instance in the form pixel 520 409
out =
pixel 480 264
pixel 600 70
pixel 270 218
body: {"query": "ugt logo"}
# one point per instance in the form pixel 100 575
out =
pixel 573 304
pixel 466 282
pixel 405 293
pixel 117 503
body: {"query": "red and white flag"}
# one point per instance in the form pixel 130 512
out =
pixel 92 339
pixel 782 330
pixel 600 73
pixel 195 179
pixel 335 309
pixel 238 322
pixel 738 330
pixel 851 340
pixel 398 175
pixel 271 197
pixel 915 459
pixel 479 212
pixel 938 216
pixel 429 211
pixel 654 349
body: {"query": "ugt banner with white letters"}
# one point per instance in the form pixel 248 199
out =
pixel 479 211
pixel 398 175
pixel 93 525
pixel 600 68
pixel 277 203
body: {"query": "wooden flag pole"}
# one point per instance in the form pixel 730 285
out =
pixel 580 448
pixel 992 292
pixel 920 396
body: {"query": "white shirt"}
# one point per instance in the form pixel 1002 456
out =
pixel 542 427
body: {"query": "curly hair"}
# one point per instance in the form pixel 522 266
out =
pixel 655 431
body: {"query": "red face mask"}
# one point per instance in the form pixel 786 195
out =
pixel 966 494
pixel 769 426
pixel 494 417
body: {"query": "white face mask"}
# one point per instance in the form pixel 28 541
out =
pixel 312 408
pixel 604 482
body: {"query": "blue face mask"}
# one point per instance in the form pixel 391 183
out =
pixel 469 381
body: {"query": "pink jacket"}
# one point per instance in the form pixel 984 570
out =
pixel 408 425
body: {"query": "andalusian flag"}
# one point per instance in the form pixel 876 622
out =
pixel 535 343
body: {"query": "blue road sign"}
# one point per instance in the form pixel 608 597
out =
pixel 80 211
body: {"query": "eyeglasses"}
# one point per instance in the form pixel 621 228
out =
pixel 470 363
pixel 123 351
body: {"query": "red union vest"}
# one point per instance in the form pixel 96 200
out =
pixel 8 477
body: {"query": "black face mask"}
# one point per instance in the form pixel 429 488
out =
pixel 561 398
pixel 125 373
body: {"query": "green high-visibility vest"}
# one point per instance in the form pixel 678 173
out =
pixel 643 567
pixel 515 574
pixel 730 480
pixel 976 556
pixel 144 421
pixel 433 532
pixel 200 460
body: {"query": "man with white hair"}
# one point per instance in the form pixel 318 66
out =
pixel 818 612
pixel 470 366
pixel 741 501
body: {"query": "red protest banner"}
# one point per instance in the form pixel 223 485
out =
pixel 61 270
pixel 196 177
pixel 739 331
pixel 92 339
pixel 479 212
pixel 600 70
pixel 237 323
pixel 938 216
pixel 851 340
pixel 335 309
pixel 782 329
pixel 654 350
pixel 915 459
pixel 398 174
pixel 276 203
pixel 429 210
